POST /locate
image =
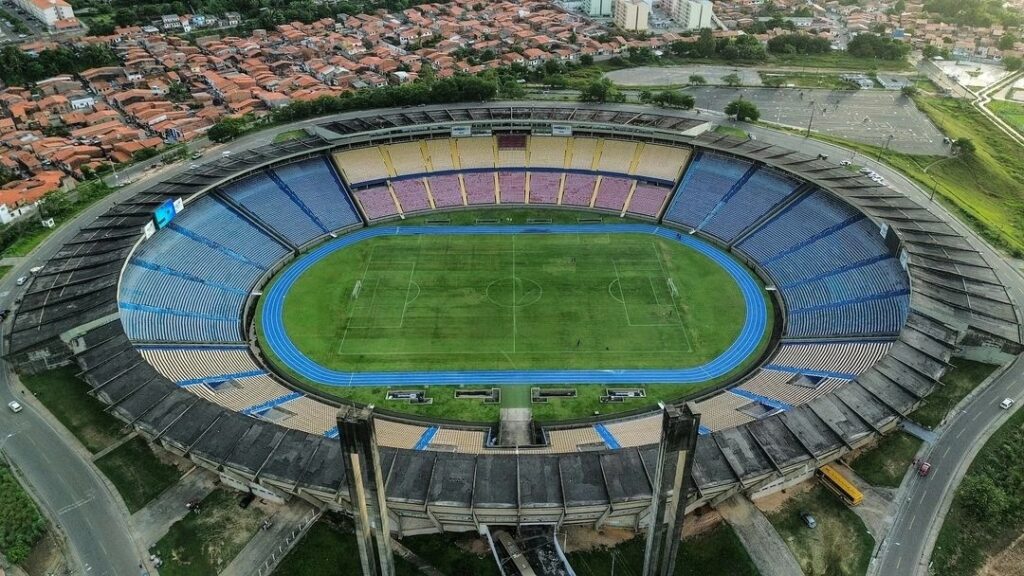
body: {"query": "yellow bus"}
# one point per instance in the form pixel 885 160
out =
pixel 837 483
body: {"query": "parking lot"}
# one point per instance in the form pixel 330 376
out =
pixel 869 116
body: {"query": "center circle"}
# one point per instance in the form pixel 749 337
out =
pixel 514 292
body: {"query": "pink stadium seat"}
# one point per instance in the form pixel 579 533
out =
pixel 412 195
pixel 544 187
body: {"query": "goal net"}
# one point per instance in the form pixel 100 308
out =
pixel 672 289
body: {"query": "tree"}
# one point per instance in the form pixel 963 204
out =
pixel 705 46
pixel 227 129
pixel 875 46
pixel 673 99
pixel 1007 41
pixel 930 51
pixel 587 60
pixel 697 80
pixel 909 91
pixel 645 96
pixel 731 80
pixel 601 90
pixel 983 499
pixel 963 146
pixel 1013 63
pixel 774 80
pixel 743 110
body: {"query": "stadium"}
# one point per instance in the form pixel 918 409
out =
pixel 490 316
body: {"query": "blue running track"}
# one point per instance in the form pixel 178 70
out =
pixel 744 345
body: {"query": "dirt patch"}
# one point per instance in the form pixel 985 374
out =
pixel 695 525
pixel 46 557
pixel 476 546
pixel 583 539
pixel 775 502
pixel 1009 562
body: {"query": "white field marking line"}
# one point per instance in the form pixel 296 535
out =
pixel 513 293
pixel 678 321
pixel 612 294
pixel 659 353
pixel 653 291
pixel 408 288
pixel 622 294
pixel 664 273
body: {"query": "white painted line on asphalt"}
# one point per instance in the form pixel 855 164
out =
pixel 71 507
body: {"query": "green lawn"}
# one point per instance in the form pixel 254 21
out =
pixel 810 80
pixel 21 524
pixel 513 302
pixel 137 472
pixel 886 463
pixel 716 552
pixel 4 270
pixel 986 187
pixel 839 546
pixel 290 135
pixel 329 549
pixel 1010 112
pixel 957 383
pixel 987 513
pixel 65 396
pixel 731 131
pixel 448 553
pixel 205 543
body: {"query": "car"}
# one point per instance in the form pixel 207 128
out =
pixel 197 155
pixel 865 170
pixel 845 162
pixel 809 520
pixel 14 406
pixel 1006 403
pixel 21 280
pixel 35 270
pixel 226 153
pixel 924 468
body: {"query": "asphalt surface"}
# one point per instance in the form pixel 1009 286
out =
pixel 93 521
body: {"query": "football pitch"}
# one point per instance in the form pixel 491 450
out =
pixel 513 302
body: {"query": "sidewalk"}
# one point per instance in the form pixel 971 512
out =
pixel 151 523
pixel 767 549
pixel 286 519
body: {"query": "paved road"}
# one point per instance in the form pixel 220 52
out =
pixel 70 488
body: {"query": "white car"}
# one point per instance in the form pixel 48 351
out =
pixel 845 163
pixel 14 406
pixel 21 280
pixel 1006 403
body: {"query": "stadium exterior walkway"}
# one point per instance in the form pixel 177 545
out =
pixel 766 548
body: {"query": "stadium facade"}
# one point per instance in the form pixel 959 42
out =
pixel 876 294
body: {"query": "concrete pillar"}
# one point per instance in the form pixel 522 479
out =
pixel 366 490
pixel 672 478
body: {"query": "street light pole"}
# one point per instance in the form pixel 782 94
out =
pixel 811 121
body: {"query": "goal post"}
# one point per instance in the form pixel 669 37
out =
pixel 356 289
pixel 672 289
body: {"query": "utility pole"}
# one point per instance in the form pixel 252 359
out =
pixel 811 121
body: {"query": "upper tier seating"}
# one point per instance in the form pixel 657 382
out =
pixel 548 151
pixel 208 220
pixel 662 162
pixel 262 196
pixel 807 218
pixel 765 190
pixel 315 185
pixel 707 181
pixel 362 165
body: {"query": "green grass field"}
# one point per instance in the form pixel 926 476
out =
pixel 67 398
pixel 886 463
pixel 137 473
pixel 513 302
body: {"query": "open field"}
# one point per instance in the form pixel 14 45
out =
pixel 987 513
pixel 290 135
pixel 137 473
pixel 66 397
pixel 715 552
pixel 1010 112
pixel 886 463
pixel 965 376
pixel 839 546
pixel 205 543
pixel 513 302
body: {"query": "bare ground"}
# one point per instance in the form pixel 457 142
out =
pixel 1009 562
